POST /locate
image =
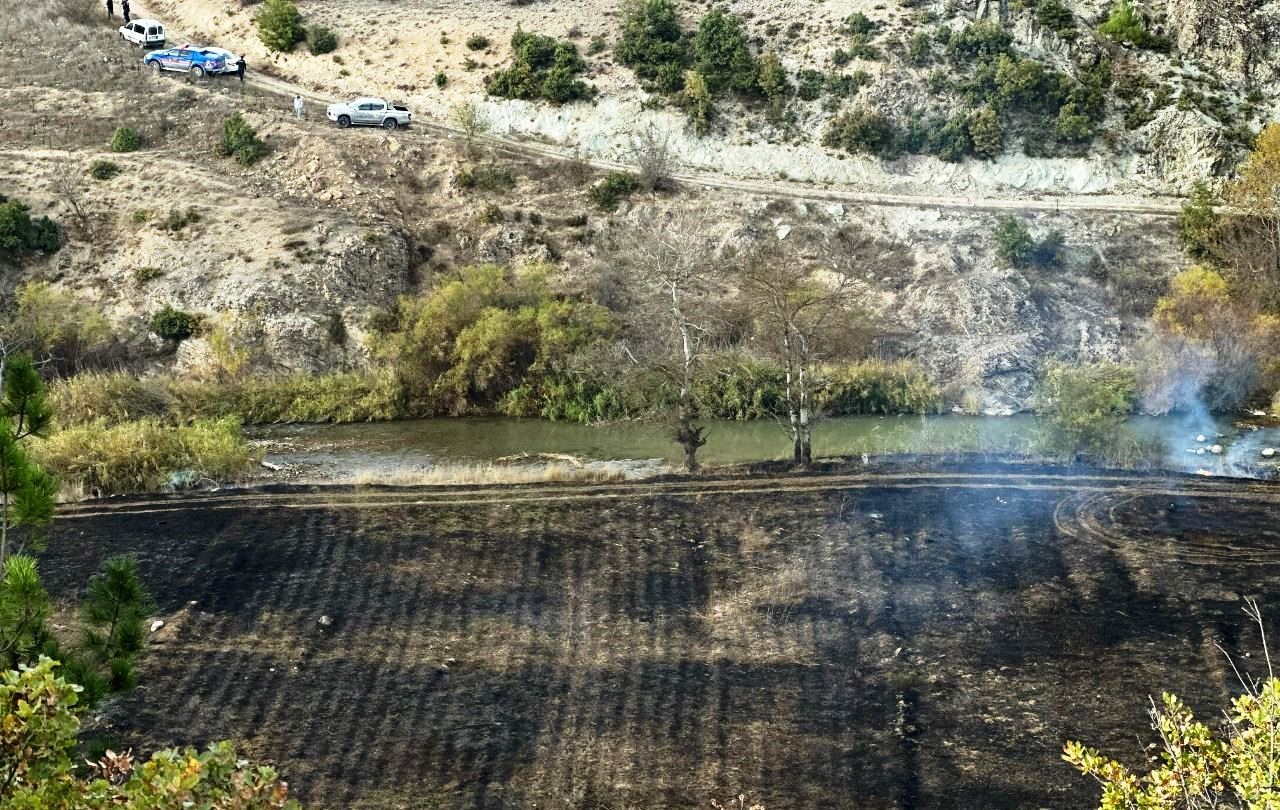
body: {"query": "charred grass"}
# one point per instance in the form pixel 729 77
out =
pixel 921 642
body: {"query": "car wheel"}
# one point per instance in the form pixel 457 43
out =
pixel 391 123
pixel 344 121
pixel 198 72
pixel 155 65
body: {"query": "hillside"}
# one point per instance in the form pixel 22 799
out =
pixel 1145 117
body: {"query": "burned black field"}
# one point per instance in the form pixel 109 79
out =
pixel 897 640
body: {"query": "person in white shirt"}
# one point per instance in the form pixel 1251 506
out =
pixel 297 107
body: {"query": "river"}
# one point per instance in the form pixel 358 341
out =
pixel 397 451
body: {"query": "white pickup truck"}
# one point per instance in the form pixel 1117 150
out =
pixel 369 112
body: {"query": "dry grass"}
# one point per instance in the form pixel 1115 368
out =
pixel 459 474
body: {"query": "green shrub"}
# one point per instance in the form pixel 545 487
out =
pixel 1198 220
pixel 809 84
pixel 652 42
pixel 613 188
pixel 1052 14
pixel 846 85
pixel 1084 407
pixel 877 387
pixel 173 324
pixel 1014 244
pixel 240 140
pixel 920 49
pixel 20 234
pixel 145 455
pixel 280 25
pixel 321 40
pixel 541 68
pixel 103 170
pixel 1124 24
pixel 984 39
pixel 441 79
pixel 491 177
pixel 859 24
pixel 177 219
pixel 125 140
pixel 721 53
pixel 696 101
pixel 477 42
pixel 863 131
pixel 985 133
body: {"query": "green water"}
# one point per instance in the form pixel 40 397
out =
pixel 333 451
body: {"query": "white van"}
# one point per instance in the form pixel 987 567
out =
pixel 143 33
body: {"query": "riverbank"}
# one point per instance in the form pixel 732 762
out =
pixel 425 451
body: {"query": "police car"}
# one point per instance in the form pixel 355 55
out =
pixel 229 59
pixel 185 60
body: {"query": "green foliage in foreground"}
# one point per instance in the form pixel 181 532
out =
pixel 27 491
pixel 145 455
pixel 40 767
pixel 1196 768
pixel 20 234
pixel 1084 407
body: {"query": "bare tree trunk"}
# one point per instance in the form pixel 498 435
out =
pixel 805 443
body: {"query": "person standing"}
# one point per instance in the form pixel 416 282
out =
pixel 297 107
pixel 124 7
pixel 111 10
pixel 240 66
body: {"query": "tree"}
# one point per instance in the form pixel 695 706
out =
pixel 1084 407
pixel 114 612
pixel 68 185
pixel 1014 244
pixel 1248 241
pixel 24 613
pixel 804 318
pixel 681 281
pixel 697 101
pixel 1198 220
pixel 1196 768
pixel 27 492
pixel 468 118
pixel 721 53
pixel 1124 24
pixel 652 42
pixel 772 79
pixel 20 234
pixel 985 132
pixel 241 141
pixel 651 149
pixel 38 761
pixel 280 25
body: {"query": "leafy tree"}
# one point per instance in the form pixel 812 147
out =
pixel 1014 244
pixel 1198 220
pixel 321 40
pixel 38 761
pixel 986 133
pixel 1052 14
pixel 982 40
pixel 20 234
pixel 772 80
pixel 652 43
pixel 280 25
pixel 860 24
pixel 541 68
pixel 697 101
pixel 241 141
pixel 26 491
pixel 1124 24
pixel 1072 125
pixel 1084 407
pixel 721 53
pixel 863 130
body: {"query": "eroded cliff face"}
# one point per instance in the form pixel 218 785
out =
pixel 1237 37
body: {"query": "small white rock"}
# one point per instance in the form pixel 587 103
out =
pixel 325 621
pixel 1270 452
pixel 1201 438
pixel 1216 449
pixel 156 625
